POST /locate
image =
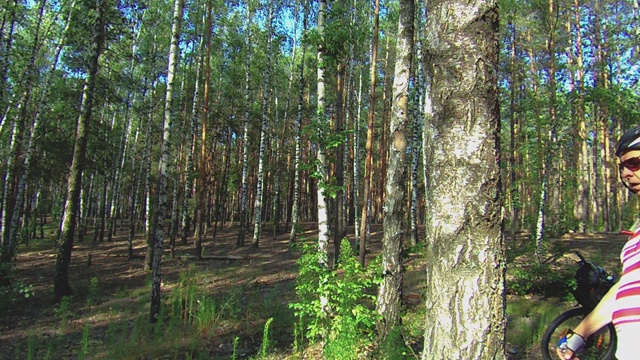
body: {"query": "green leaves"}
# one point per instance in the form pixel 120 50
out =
pixel 336 305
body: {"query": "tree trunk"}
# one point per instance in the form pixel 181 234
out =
pixel 514 204
pixel 581 210
pixel 296 131
pixel 323 219
pixel 188 183
pixel 339 230
pixel 368 163
pixel 418 119
pixel 164 164
pixel 356 164
pixel 61 286
pixel 245 138
pixel 390 291
pixel 266 97
pixel 6 39
pixel 465 307
pixel 542 204
pixel 20 155
pixel 202 183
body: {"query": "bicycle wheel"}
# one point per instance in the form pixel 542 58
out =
pixel 599 346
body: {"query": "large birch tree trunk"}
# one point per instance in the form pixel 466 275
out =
pixel 465 306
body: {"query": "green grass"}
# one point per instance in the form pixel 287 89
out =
pixel 528 320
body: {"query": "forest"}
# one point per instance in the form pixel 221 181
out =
pixel 347 179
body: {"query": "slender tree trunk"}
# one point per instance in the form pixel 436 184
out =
pixel 61 286
pixel 85 199
pixel 164 163
pixel 390 291
pixel 257 224
pixel 188 183
pixel 418 120
pixel 296 131
pixel 339 230
pixel 245 153
pixel 542 204
pixel 277 195
pixel 368 163
pixel 356 164
pixel 124 144
pixel 323 219
pixel 6 41
pixel 581 210
pixel 202 190
pixel 17 165
pixel 465 306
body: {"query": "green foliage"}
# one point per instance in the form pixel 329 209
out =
pixel 94 291
pixel 335 306
pixel 527 321
pixel 14 291
pixel 235 347
pixel 394 347
pixel 265 338
pixel 541 279
pixel 62 312
pixel 84 342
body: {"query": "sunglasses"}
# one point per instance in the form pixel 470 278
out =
pixel 632 164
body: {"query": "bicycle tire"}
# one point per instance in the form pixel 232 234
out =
pixel 600 346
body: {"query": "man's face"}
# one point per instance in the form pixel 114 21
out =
pixel 629 168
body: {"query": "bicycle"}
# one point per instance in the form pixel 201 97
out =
pixel 592 283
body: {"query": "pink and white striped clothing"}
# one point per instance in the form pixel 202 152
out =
pixel 626 316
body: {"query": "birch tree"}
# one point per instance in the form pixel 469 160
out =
pixel 165 162
pixel 245 138
pixel 390 291
pixel 297 141
pixel 257 224
pixel 465 306
pixel 321 165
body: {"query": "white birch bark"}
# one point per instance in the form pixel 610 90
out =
pixel 323 219
pixel 165 163
pixel 245 135
pixel 257 225
pixel 465 287
pixel 389 293
pixel 296 131
pixel 356 161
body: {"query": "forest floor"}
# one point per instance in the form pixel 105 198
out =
pixel 35 328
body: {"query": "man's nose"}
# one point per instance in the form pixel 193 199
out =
pixel 626 173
